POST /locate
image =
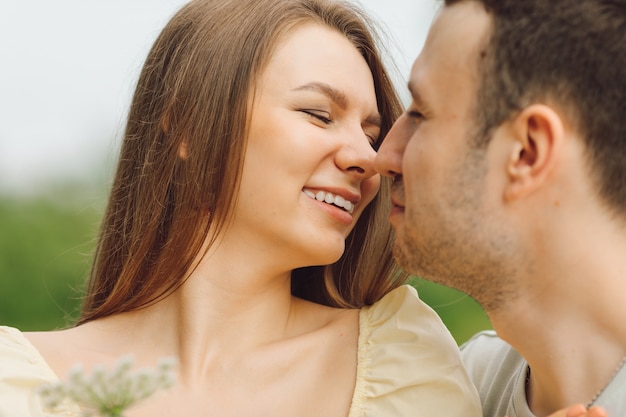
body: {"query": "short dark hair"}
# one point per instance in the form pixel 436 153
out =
pixel 571 53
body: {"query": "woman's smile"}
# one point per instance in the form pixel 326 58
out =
pixel 331 198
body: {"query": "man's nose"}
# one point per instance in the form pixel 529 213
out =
pixel 388 160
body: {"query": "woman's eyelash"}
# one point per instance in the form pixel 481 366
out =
pixel 317 115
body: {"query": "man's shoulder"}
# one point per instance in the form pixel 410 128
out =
pixel 487 343
pixel 499 373
pixel 486 355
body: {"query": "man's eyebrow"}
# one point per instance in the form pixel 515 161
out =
pixel 338 97
pixel 331 92
pixel 417 98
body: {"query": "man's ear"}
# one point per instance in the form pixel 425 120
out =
pixel 538 135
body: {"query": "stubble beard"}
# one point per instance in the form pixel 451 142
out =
pixel 459 247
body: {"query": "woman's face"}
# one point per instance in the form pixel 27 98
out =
pixel 308 171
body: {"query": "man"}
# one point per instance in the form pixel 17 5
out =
pixel 509 172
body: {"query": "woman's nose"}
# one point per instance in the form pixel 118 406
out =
pixel 357 156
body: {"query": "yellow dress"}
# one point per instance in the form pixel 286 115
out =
pixel 408 365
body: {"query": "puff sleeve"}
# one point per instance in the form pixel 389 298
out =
pixel 22 371
pixel 408 363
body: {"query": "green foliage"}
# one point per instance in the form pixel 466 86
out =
pixel 46 247
pixel 461 314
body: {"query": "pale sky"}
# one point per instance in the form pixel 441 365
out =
pixel 68 68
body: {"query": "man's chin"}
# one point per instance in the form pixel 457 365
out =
pixel 414 262
pixel 405 258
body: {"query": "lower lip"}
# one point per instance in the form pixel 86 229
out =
pixel 335 212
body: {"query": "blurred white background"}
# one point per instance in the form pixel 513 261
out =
pixel 68 69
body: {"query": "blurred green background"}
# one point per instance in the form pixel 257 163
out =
pixel 46 243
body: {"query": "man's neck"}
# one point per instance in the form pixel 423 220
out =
pixel 572 332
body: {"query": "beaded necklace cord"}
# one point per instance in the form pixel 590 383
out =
pixel 617 370
pixel 595 397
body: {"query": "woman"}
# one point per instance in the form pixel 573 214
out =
pixel 246 232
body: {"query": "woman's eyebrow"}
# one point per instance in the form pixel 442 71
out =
pixel 331 92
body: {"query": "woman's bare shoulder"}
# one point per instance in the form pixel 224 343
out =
pixel 64 349
pixel 317 317
pixel 59 348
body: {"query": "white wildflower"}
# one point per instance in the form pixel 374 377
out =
pixel 109 394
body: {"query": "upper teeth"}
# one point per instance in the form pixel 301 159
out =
pixel 331 199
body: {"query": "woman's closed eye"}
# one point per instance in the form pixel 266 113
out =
pixel 319 115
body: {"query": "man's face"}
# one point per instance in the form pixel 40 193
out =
pixel 441 204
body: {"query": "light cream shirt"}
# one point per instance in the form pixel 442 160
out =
pixel 408 365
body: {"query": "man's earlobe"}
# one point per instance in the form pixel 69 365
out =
pixel 538 134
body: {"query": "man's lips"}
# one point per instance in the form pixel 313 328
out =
pixel 397 193
pixel 397 202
